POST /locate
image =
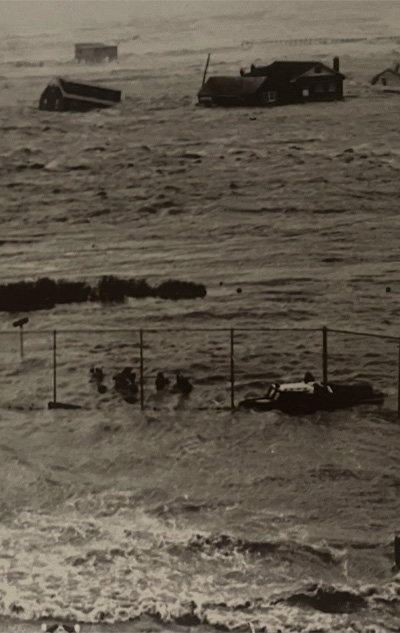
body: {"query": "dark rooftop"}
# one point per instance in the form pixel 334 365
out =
pixel 285 71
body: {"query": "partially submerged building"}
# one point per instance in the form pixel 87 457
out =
pixel 279 83
pixel 94 52
pixel 62 95
pixel 390 78
pixel 300 82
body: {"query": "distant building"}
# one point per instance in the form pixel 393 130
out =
pixel 233 91
pixel 93 52
pixel 389 77
pixel 62 95
pixel 277 84
pixel 300 82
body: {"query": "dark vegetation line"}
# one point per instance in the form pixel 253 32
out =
pixel 46 293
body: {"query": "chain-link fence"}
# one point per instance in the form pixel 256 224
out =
pixel 26 369
pixel 71 367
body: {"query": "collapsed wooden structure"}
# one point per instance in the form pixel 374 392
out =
pixel 279 83
pixel 94 52
pixel 62 94
pixel 233 91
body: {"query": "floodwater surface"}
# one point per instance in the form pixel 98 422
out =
pixel 188 514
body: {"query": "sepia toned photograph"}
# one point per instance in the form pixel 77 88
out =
pixel 199 304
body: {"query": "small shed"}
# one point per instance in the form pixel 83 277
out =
pixel 389 77
pixel 233 91
pixel 94 52
pixel 62 95
pixel 300 81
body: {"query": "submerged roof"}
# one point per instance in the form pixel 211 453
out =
pixel 86 92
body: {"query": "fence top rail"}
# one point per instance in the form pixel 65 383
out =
pixel 155 330
pixel 199 329
pixel 388 337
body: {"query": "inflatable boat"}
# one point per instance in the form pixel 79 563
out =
pixel 308 397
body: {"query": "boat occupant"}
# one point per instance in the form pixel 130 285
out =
pixel 125 381
pixel 182 384
pixel 161 381
pixel 97 376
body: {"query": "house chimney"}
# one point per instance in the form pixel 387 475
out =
pixel 336 64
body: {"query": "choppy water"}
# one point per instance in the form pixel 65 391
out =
pixel 236 520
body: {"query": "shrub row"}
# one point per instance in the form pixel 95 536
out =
pixel 45 293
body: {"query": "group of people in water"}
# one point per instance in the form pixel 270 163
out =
pixel 125 383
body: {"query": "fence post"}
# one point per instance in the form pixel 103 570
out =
pixel 21 341
pixel 398 382
pixel 324 355
pixel 141 372
pixel 397 551
pixel 20 323
pixel 55 366
pixel 232 370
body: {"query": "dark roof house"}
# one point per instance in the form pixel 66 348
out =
pixel 232 91
pixel 300 81
pixel 389 77
pixel 95 52
pixel 62 95
pixel 276 84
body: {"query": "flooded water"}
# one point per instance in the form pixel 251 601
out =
pixel 187 513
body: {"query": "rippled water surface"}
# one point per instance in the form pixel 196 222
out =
pixel 189 514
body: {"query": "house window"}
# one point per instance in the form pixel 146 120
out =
pixel 271 96
pixel 383 80
pixel 331 87
pixel 305 92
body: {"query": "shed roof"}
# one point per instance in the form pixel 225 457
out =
pixel 86 92
pixel 91 45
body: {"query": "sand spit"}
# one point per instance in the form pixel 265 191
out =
pixel 46 293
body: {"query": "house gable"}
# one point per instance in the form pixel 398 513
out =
pixel 387 76
pixel 319 70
